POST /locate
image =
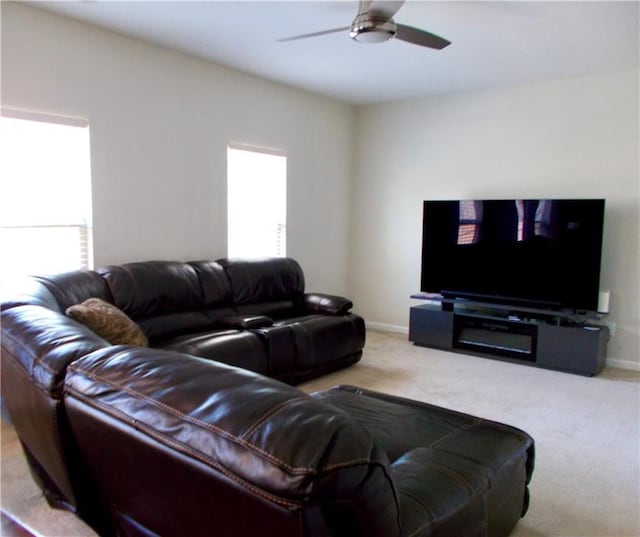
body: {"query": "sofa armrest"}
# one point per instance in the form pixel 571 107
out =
pixel 244 323
pixel 327 304
pixel 214 431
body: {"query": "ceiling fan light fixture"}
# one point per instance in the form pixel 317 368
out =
pixel 369 30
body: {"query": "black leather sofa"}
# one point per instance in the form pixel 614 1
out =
pixel 251 314
pixel 143 441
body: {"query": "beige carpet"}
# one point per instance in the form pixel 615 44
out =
pixel 587 432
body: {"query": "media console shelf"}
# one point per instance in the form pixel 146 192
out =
pixel 545 338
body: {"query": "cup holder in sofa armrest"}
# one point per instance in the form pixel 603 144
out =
pixel 327 304
pixel 244 323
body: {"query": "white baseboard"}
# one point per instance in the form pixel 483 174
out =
pixel 623 364
pixel 387 327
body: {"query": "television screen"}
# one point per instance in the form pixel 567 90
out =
pixel 541 253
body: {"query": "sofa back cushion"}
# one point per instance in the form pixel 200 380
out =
pixel 170 297
pixel 216 288
pixel 151 288
pixel 74 287
pixel 272 286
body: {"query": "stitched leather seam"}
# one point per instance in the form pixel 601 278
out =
pixel 502 502
pixel 194 421
pixel 345 464
pixel 453 433
pixel 37 361
pixel 42 389
pixel 17 361
pixel 271 413
pixel 308 340
pixel 250 285
pixel 435 519
pixel 473 493
pixel 458 478
pixel 219 467
pixel 419 501
pixel 186 450
pixel 214 428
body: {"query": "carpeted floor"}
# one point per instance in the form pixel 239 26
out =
pixel 587 432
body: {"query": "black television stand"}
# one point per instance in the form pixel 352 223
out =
pixel 551 339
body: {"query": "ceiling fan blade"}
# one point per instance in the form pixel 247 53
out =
pixel 381 8
pixel 314 34
pixel 363 6
pixel 421 37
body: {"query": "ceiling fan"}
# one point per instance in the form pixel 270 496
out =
pixel 374 24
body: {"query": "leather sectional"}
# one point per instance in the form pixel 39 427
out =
pixel 197 434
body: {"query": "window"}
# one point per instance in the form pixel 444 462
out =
pixel 256 204
pixel 469 222
pixel 534 218
pixel 45 207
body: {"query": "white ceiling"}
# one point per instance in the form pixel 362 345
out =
pixel 493 43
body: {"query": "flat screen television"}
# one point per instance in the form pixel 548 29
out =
pixel 542 253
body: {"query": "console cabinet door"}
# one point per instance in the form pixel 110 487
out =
pixel 570 348
pixel 430 326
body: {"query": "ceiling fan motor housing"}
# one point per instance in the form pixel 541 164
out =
pixel 368 29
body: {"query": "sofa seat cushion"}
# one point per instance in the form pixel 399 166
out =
pixel 491 461
pixel 168 325
pixel 296 318
pixel 277 309
pixel 452 504
pixel 490 443
pixel 232 347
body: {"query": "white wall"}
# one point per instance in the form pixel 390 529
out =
pixel 570 138
pixel 160 123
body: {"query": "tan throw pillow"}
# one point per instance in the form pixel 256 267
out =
pixel 108 322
